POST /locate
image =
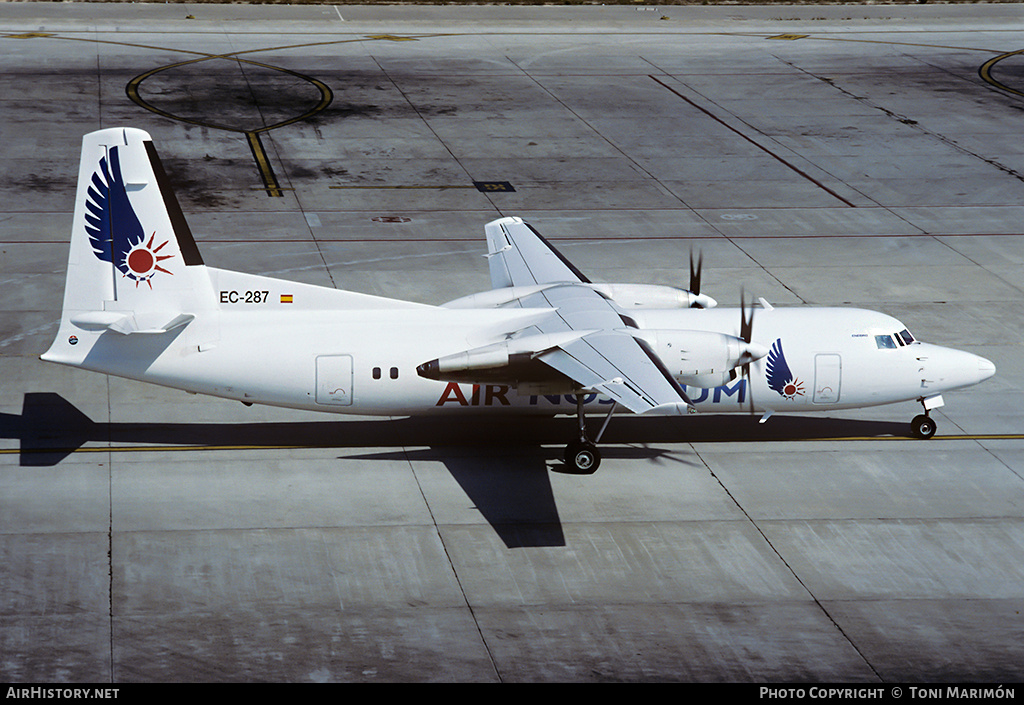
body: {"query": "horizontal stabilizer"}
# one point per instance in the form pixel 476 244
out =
pixel 127 323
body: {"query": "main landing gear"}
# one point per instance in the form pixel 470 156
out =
pixel 581 455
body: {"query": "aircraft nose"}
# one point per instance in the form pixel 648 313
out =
pixel 986 369
pixel 952 369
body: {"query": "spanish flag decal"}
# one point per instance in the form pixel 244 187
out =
pixel 286 298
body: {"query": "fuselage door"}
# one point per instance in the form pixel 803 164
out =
pixel 828 369
pixel 334 380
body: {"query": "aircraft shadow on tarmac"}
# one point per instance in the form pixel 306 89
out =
pixel 507 481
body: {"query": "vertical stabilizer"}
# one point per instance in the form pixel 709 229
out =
pixel 133 266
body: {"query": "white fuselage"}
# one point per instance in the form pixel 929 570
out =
pixel 364 361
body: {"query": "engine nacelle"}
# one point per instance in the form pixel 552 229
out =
pixel 653 296
pixel 508 359
pixel 701 358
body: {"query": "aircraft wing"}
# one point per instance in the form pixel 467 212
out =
pixel 609 359
pixel 620 367
pixel 520 256
pixel 585 337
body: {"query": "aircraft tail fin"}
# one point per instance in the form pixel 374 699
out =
pixel 133 266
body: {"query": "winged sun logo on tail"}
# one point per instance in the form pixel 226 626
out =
pixel 780 378
pixel 115 233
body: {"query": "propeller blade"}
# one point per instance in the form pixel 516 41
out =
pixel 746 333
pixel 746 322
pixel 695 273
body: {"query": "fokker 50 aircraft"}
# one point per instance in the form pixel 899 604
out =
pixel 140 303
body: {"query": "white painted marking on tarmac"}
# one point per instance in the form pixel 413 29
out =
pixel 21 336
pixel 336 9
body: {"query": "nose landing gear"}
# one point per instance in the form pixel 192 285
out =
pixel 923 426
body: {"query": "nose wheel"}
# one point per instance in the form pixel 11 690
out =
pixel 923 426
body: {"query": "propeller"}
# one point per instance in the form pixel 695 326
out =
pixel 746 333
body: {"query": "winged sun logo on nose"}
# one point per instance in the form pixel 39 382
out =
pixel 780 378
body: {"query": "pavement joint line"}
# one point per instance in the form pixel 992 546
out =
pixel 754 142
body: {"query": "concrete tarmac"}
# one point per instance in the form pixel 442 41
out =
pixel 827 155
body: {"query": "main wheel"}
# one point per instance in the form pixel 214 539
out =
pixel 582 458
pixel 923 427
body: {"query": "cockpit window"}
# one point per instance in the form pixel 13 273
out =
pixel 906 336
pixel 885 341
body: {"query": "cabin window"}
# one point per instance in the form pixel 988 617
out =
pixel 376 373
pixel 394 373
pixel 885 341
